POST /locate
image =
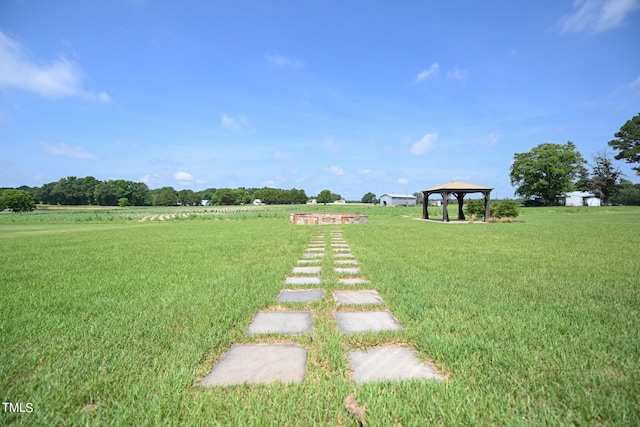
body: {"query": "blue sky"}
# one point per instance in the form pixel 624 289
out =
pixel 353 96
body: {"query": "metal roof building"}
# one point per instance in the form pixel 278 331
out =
pixel 397 200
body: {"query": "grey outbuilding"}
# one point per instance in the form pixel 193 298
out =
pixel 397 200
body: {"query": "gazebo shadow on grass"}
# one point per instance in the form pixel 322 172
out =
pixel 452 221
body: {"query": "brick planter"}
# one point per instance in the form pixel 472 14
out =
pixel 322 218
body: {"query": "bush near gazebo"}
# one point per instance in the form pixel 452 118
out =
pixel 505 209
pixel 499 210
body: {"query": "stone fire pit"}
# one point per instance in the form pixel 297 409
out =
pixel 322 218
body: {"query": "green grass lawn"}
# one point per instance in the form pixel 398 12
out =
pixel 108 320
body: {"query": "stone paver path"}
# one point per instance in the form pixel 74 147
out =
pixel 357 297
pixel 285 322
pixel 259 364
pixel 389 363
pixel 300 295
pixel 366 321
pixel 286 362
pixel 303 280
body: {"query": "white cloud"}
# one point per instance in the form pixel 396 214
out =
pixel 635 83
pixel 63 150
pixel 332 146
pixel 597 15
pixel 283 157
pixel 183 176
pixel 426 144
pixel 403 181
pixel 425 74
pixel 364 171
pixel 336 170
pixel 491 140
pixel 456 74
pixel 58 79
pixel 151 180
pixel 238 124
pixel 281 61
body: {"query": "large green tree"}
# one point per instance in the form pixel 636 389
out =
pixel 547 171
pixel 626 193
pixel 324 197
pixel 369 198
pixel 605 176
pixel 17 201
pixel 628 142
pixel 165 196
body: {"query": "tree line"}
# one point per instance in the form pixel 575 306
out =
pixel 91 191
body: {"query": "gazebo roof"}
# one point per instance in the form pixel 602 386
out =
pixel 457 186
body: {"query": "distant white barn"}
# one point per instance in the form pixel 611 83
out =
pixel 397 200
pixel 581 198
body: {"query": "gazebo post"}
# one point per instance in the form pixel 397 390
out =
pixel 425 205
pixel 445 212
pixel 460 197
pixel 487 205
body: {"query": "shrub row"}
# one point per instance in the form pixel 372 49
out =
pixel 504 209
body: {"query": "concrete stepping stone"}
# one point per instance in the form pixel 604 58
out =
pixel 307 270
pixel 389 363
pixel 343 255
pixel 303 295
pixel 365 321
pixel 313 254
pixel 339 245
pixel 281 322
pixel 308 261
pixel 357 297
pixel 353 280
pixel 346 262
pixel 316 245
pixel 259 364
pixel 341 250
pixel 303 280
pixel 315 249
pixel 346 270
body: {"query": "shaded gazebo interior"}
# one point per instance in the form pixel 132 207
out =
pixel 458 189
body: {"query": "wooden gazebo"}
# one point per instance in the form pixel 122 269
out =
pixel 458 189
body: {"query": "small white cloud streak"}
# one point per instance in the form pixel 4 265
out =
pixel 336 170
pixel 491 140
pixel 425 145
pixel 425 74
pixel 60 78
pixel 238 124
pixel 597 15
pixel 635 83
pixel 456 74
pixel 63 150
pixel 281 61
pixel 183 176
pixel 403 181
